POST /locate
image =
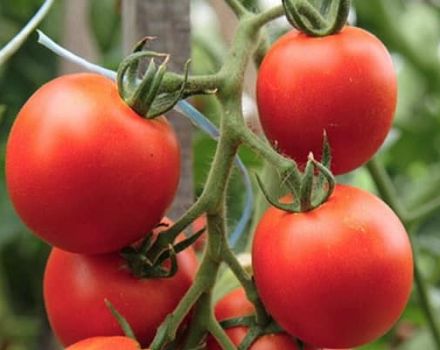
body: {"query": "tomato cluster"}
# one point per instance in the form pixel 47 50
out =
pixel 339 275
pixel 101 178
pixel 89 176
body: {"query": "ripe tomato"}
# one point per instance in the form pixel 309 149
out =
pixel 106 343
pixel 76 285
pixel 235 304
pixel 343 83
pixel 85 172
pixel 338 276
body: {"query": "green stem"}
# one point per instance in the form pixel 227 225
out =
pixel 195 85
pixel 388 193
pixel 168 329
pixel 220 335
pixel 386 188
pixel 426 211
pixel 264 150
pixel 213 256
pixel 246 281
pixel 269 178
pixel 229 85
pixel 169 235
pixel 269 15
pixel 426 305
pixel 212 200
pixel 237 7
pixel 261 50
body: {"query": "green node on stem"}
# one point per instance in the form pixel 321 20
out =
pixel 308 190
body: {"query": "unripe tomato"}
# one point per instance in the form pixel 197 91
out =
pixel 338 276
pixel 85 172
pixel 106 343
pixel 235 304
pixel 344 84
pixel 76 285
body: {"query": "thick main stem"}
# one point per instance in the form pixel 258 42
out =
pixel 214 193
pixel 229 84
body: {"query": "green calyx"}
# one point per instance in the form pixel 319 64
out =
pixel 146 96
pixel 154 257
pixel 317 17
pixel 311 188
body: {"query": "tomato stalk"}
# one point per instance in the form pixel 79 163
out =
pixel 230 88
pixel 237 7
pixel 233 133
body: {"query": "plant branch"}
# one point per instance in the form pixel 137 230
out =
pixel 195 85
pixel 424 212
pixel 167 331
pixel 237 7
pixel 388 193
pixel 246 281
pixel 264 150
pixel 426 305
pixel 170 234
pixel 386 188
pixel 220 335
pixel 267 16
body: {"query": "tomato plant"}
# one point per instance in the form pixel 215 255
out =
pixel 84 171
pixel 344 84
pixel 337 276
pixel 106 343
pixel 76 285
pixel 235 304
pixel 332 269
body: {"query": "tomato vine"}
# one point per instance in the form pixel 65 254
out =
pixel 227 84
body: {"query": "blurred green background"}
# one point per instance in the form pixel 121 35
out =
pixel 409 28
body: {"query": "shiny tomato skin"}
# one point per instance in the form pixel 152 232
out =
pixel 338 276
pixel 105 343
pixel 235 304
pixel 76 285
pixel 343 83
pixel 85 172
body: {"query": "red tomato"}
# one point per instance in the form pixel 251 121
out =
pixel 75 287
pixel 338 276
pixel 235 304
pixel 85 172
pixel 106 343
pixel 343 83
